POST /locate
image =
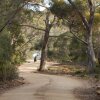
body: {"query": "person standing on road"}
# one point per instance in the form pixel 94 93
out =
pixel 35 57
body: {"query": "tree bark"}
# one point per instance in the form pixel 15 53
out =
pixel 90 52
pixel 44 51
pixel 45 42
pixel 88 25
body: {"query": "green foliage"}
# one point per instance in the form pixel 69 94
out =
pixel 8 71
pixel 38 44
pixel 67 48
pixel 74 22
pixel 59 49
pixel 77 51
pixel 60 8
pixel 12 38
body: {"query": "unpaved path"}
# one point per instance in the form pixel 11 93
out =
pixel 43 86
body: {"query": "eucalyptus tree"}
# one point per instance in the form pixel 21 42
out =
pixel 88 25
pixel 49 22
pixel 45 25
pixel 81 9
pixel 42 21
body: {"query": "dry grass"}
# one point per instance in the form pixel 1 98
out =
pixel 67 69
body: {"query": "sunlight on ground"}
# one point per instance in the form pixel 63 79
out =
pixel 30 66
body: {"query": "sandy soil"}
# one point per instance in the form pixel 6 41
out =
pixel 43 86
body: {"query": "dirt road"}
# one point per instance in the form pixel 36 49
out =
pixel 43 86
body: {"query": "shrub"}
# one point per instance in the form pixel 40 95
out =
pixel 8 72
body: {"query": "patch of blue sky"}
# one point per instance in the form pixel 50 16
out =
pixel 49 1
pixel 39 7
pixel 34 7
pixel 46 3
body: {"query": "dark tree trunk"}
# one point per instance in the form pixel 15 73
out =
pixel 44 51
pixel 49 25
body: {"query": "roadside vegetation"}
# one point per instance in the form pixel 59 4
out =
pixel 65 32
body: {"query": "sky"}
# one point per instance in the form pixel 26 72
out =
pixel 34 7
pixel 40 8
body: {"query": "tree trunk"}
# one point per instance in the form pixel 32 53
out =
pixel 45 42
pixel 44 51
pixel 91 53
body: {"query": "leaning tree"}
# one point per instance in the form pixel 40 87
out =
pixel 87 22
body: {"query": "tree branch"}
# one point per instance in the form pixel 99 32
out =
pixel 30 39
pixel 37 4
pixel 77 37
pixel 12 17
pixel 72 37
pixel 92 11
pixel 53 36
pixel 84 20
pixel 34 27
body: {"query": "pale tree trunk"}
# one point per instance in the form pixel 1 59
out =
pixel 90 50
pixel 88 25
pixel 90 53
